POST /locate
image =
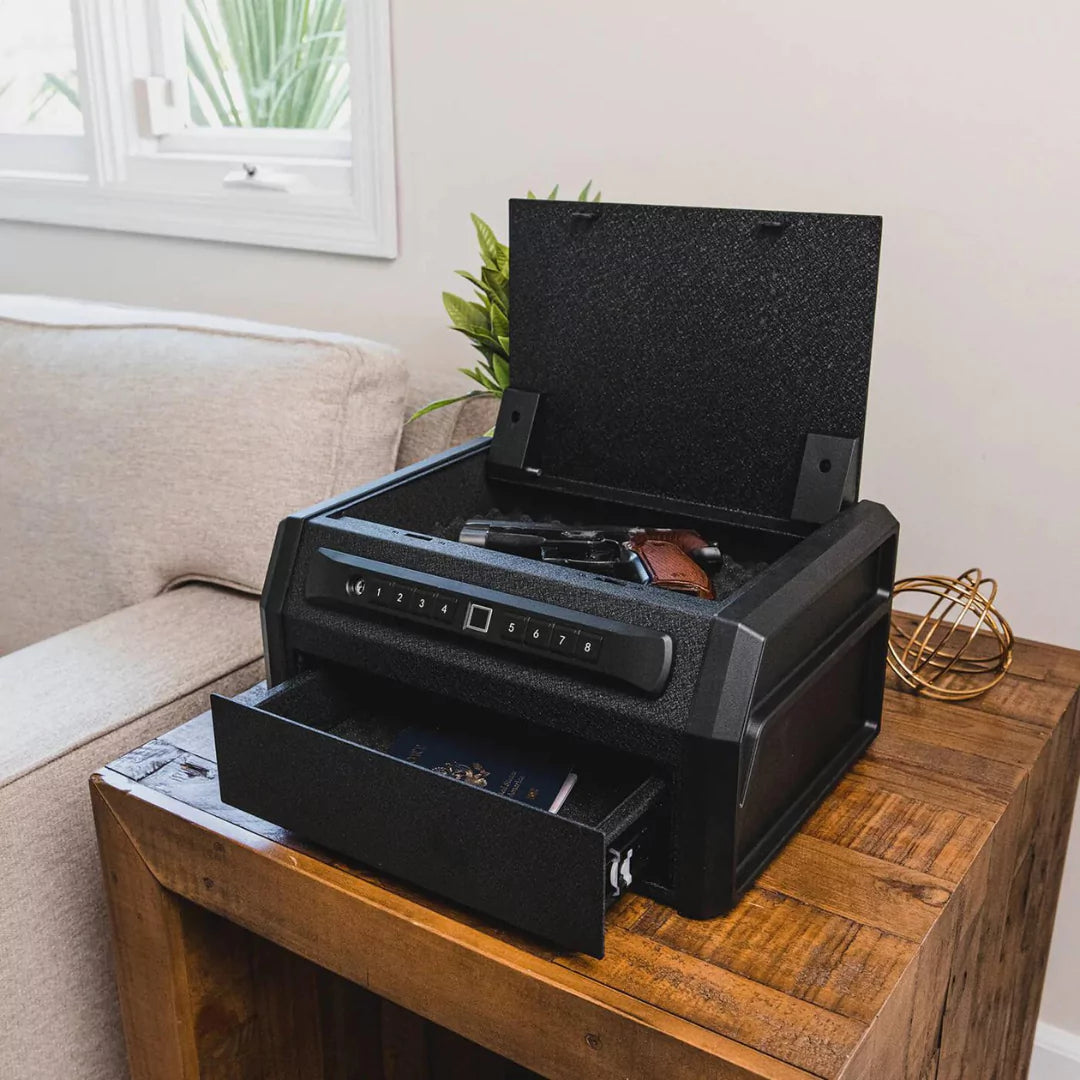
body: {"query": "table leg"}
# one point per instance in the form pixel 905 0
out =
pixel 204 999
pixel 150 963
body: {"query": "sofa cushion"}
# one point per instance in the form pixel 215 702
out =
pixel 141 449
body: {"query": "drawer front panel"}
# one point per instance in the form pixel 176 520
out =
pixel 538 871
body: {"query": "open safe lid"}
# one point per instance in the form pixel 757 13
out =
pixel 681 355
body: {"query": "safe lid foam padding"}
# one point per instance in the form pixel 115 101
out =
pixel 686 353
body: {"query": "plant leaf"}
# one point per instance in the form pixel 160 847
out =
pixel 470 278
pixel 491 287
pixel 489 246
pixel 64 88
pixel 496 280
pixel 480 337
pixel 479 375
pixel 260 63
pixel 497 286
pixel 199 43
pixel 487 353
pixel 487 323
pixel 464 314
pixel 443 402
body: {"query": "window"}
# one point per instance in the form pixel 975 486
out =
pixel 256 121
pixel 41 125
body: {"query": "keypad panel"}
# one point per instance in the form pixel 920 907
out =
pixel 631 653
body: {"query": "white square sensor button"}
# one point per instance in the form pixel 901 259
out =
pixel 478 618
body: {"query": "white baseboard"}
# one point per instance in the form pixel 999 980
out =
pixel 1056 1055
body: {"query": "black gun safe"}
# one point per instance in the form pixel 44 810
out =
pixel 671 367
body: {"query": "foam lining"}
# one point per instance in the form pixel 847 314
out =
pixel 439 503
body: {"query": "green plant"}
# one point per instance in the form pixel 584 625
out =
pixel 267 63
pixel 486 320
pixel 54 86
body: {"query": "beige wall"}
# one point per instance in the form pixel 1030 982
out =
pixel 956 120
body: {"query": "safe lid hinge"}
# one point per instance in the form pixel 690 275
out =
pixel 513 447
pixel 828 478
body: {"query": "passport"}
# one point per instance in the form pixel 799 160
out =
pixel 530 777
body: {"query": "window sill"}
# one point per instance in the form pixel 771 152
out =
pixel 265 218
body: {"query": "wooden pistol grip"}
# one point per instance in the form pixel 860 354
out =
pixel 687 539
pixel 671 568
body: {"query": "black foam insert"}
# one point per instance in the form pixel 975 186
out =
pixel 439 503
pixel 686 353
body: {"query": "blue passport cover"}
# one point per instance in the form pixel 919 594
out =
pixel 508 770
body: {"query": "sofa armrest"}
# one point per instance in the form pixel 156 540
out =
pixel 68 705
pixel 67 690
pixel 439 430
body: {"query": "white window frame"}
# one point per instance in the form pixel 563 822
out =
pixel 40 154
pixel 323 191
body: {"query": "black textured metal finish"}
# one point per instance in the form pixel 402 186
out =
pixel 686 352
pixel 543 872
pixel 533 688
pixel 680 359
pixel 544 691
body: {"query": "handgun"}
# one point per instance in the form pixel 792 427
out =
pixel 677 559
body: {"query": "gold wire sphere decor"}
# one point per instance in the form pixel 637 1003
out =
pixel 961 647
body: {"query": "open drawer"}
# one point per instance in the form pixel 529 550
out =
pixel 311 755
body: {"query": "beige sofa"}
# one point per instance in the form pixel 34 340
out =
pixel 145 459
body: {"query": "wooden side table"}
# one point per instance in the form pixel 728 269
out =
pixel 902 933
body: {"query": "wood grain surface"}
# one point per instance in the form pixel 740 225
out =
pixel 902 933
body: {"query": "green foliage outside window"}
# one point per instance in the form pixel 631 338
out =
pixel 267 63
pixel 256 63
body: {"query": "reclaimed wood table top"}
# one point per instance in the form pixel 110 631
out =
pixel 902 932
